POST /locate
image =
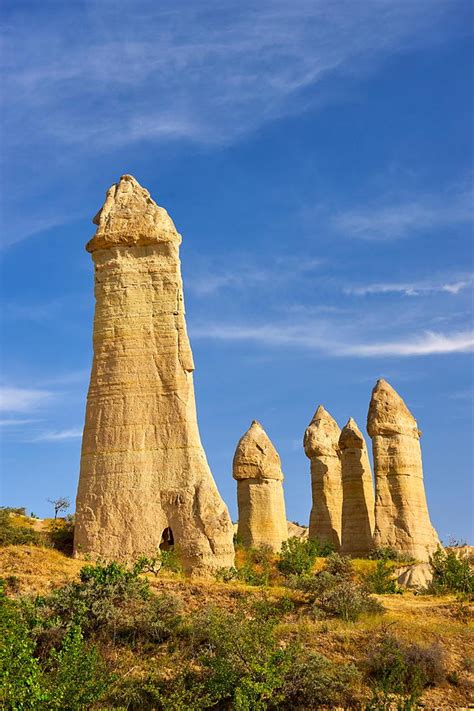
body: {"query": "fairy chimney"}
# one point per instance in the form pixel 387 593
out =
pixel 401 513
pixel 357 493
pixel 144 477
pixel 257 469
pixel 321 446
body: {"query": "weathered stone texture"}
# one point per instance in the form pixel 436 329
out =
pixel 357 493
pixel 401 513
pixel 261 503
pixel 321 446
pixel 143 468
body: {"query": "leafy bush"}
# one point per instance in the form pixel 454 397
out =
pixel 11 534
pixel 70 678
pixel 170 561
pixel 244 662
pixel 451 574
pixel 335 591
pixel 380 581
pixel 95 601
pixel 315 680
pixel 388 553
pixel 297 556
pixel 61 534
pixel 401 671
pixel 255 570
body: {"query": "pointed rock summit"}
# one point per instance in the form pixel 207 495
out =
pixel 358 493
pixel 321 446
pixel 144 478
pixel 257 469
pixel 401 512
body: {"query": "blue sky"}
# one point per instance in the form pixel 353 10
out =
pixel 317 158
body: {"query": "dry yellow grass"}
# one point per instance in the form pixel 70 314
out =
pixel 416 618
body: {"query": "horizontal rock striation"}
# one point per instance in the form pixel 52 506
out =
pixel 401 512
pixel 321 446
pixel 261 503
pixel 144 477
pixel 357 493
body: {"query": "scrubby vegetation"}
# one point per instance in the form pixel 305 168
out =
pixel 297 631
pixel 451 574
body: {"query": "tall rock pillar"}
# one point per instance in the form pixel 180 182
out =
pixel 144 478
pixel 321 446
pixel 357 493
pixel 257 469
pixel 401 513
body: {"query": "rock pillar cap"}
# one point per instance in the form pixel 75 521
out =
pixel 130 217
pixel 255 456
pixel 351 436
pixel 322 435
pixel 388 414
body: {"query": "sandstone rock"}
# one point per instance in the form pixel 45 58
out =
pixel 417 577
pixel 321 446
pixel 297 531
pixel 401 513
pixel 144 477
pixel 357 493
pixel 257 469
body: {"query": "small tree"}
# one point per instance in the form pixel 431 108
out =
pixel 61 504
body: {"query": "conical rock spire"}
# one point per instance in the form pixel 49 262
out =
pixel 401 512
pixel 143 469
pixel 321 446
pixel 358 493
pixel 261 504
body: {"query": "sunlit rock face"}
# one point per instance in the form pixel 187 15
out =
pixel 357 493
pixel 257 469
pixel 143 469
pixel 321 446
pixel 401 512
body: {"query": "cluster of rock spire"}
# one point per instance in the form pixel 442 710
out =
pixel 145 481
pixel 345 511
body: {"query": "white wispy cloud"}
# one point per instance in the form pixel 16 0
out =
pixel 15 423
pixel 244 274
pixel 14 399
pixel 413 288
pixel 402 219
pixel 320 337
pixel 206 71
pixel 58 435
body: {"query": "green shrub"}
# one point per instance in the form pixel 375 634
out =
pixel 170 561
pixel 314 680
pixel 399 671
pixel 334 590
pixel 61 534
pixel 69 678
pixel 76 675
pixel 297 556
pixel 451 574
pixel 380 581
pixel 94 602
pixel 244 663
pixel 14 535
pixel 388 553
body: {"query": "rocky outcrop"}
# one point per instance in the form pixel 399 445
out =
pixel 144 478
pixel 401 513
pixel 357 493
pixel 257 469
pixel 321 446
pixel 416 577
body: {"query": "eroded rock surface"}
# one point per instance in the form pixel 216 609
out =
pixel 401 512
pixel 143 469
pixel 357 493
pixel 257 469
pixel 321 446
